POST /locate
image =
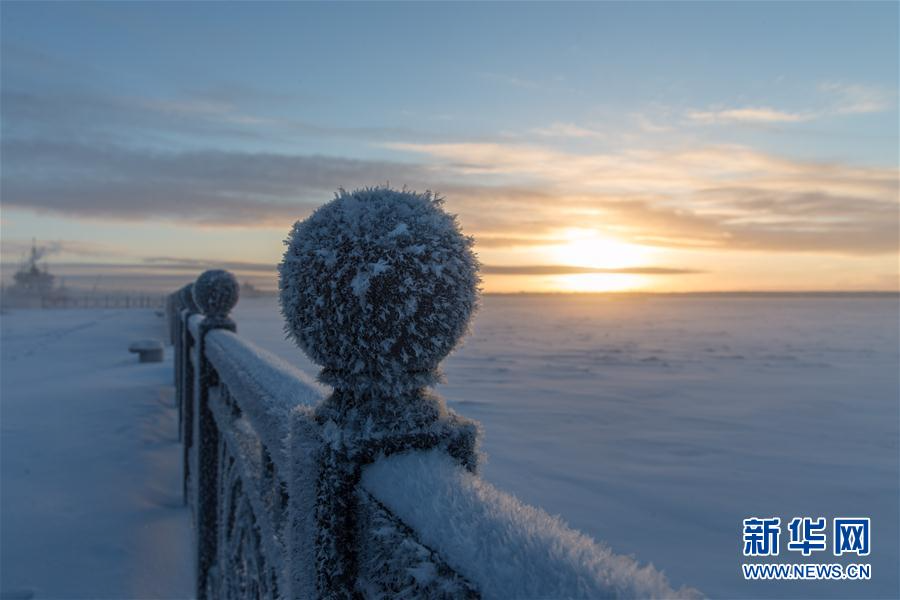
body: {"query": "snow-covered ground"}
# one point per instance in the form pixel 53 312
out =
pixel 90 490
pixel 656 424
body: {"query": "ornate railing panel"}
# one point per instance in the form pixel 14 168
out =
pixel 250 543
pixel 394 564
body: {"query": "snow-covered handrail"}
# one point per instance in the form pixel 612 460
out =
pixel 193 323
pixel 264 387
pixel 505 548
pixel 373 490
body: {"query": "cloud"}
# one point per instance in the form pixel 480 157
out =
pixel 46 96
pixel 648 125
pixel 199 265
pixel 85 114
pixel 47 248
pixel 841 99
pixel 566 130
pixel 505 241
pixel 750 114
pixel 73 150
pixel 728 197
pixel 210 187
pixel 644 171
pixel 568 270
pixel 170 263
pixel 852 99
pixel 205 109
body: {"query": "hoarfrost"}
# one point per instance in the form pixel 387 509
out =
pixel 352 279
pixel 503 547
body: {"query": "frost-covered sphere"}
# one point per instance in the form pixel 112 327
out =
pixel 378 286
pixel 216 293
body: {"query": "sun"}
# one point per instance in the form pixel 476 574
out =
pixel 587 248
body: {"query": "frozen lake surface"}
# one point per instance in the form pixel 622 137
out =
pixel 658 423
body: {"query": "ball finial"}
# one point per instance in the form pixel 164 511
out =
pixel 216 293
pixel 378 286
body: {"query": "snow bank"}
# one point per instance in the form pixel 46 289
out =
pixel 507 549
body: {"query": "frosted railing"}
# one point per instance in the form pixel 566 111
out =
pixel 286 505
pixel 263 386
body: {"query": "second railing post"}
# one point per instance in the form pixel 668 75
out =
pixel 216 293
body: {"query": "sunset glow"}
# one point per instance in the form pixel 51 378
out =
pixel 599 282
pixel 586 248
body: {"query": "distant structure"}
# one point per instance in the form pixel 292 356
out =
pixel 248 290
pixel 33 285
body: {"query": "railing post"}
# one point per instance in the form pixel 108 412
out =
pixel 169 304
pixel 175 334
pixel 186 374
pixel 377 287
pixel 215 293
pixel 188 309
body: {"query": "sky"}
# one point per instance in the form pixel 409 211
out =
pixel 587 147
